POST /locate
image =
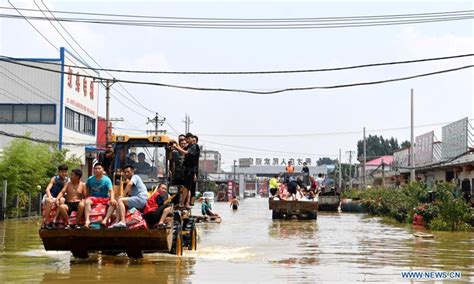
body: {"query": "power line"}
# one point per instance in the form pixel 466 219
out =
pixel 45 141
pixel 253 19
pixel 90 56
pixel 259 72
pixel 53 45
pixel 279 26
pixel 321 133
pixel 50 21
pixel 251 91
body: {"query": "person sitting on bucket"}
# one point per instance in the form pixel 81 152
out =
pixel 55 186
pixel 74 191
pixel 206 209
pixel 157 207
pixel 138 197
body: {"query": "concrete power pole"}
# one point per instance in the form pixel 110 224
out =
pixel 364 161
pixel 412 142
pixel 383 174
pixel 187 123
pixel 107 111
pixel 157 122
pixel 340 171
pixel 350 168
pixel 107 86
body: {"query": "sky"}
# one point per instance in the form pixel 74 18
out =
pixel 234 122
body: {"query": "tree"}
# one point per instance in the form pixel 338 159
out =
pixel 377 146
pixel 326 161
pixel 405 144
pixel 26 165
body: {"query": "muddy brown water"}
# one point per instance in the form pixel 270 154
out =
pixel 248 246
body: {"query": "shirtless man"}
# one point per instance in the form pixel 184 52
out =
pixel 234 203
pixel 75 192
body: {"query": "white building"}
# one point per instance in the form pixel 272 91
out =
pixel 58 104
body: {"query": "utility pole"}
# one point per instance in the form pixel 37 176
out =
pixel 350 168
pixel 107 86
pixel 156 121
pixel 363 162
pixel 235 161
pixel 383 174
pixel 115 119
pixel 107 111
pixel 340 171
pixel 187 123
pixel 412 142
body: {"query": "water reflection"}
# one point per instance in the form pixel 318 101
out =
pixel 168 269
pixel 284 229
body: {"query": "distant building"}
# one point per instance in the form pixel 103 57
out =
pixel 49 105
pixel 210 161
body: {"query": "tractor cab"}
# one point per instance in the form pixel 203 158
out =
pixel 147 154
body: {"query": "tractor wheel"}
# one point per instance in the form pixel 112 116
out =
pixel 177 247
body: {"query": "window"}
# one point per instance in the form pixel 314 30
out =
pixel 6 113
pixel 79 122
pixel 19 113
pixel 27 114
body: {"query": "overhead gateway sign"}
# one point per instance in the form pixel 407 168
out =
pixel 455 138
pixel 245 163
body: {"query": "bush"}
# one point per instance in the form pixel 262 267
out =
pixel 26 165
pixel 453 211
pixel 429 211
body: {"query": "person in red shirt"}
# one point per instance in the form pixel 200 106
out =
pixel 157 207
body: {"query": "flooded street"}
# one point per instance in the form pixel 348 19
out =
pixel 249 247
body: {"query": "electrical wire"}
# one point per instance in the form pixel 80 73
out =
pixel 257 72
pixel 90 56
pixel 45 141
pixel 269 24
pixel 254 19
pixel 219 26
pixel 272 92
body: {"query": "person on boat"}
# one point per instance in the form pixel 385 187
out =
pixel 74 191
pixel 99 190
pixel 206 208
pixel 55 185
pixel 134 196
pixel 234 203
pixel 157 207
pixel 290 168
pixel 273 185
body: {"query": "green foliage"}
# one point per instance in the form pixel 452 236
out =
pixel 453 211
pixel 377 146
pixel 326 161
pixel 26 165
pixel 448 212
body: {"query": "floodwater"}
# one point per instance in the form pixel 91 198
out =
pixel 248 246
